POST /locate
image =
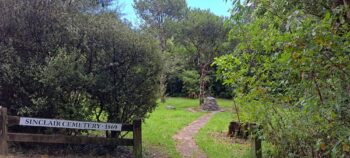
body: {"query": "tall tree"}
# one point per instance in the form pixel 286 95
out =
pixel 157 14
pixel 203 34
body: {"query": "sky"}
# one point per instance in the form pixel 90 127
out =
pixel 218 7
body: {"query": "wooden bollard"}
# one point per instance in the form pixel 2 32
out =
pixel 137 138
pixel 3 128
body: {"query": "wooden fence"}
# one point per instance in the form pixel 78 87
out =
pixel 8 121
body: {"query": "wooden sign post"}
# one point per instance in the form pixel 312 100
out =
pixel 3 137
pixel 137 138
pixel 8 121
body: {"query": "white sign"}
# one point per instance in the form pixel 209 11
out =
pixel 27 121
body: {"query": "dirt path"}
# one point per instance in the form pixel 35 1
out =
pixel 185 143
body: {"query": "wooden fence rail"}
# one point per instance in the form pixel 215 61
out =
pixel 8 121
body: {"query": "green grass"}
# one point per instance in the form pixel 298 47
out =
pixel 224 103
pixel 213 141
pixel 162 124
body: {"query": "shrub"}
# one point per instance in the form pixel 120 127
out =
pixel 68 60
pixel 190 80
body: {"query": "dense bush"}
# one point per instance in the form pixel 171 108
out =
pixel 184 84
pixel 218 89
pixel 190 80
pixel 291 70
pixel 72 59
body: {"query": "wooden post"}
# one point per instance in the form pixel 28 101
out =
pixel 3 133
pixel 137 138
pixel 257 147
pixel 256 142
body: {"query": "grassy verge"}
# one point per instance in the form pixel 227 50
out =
pixel 212 137
pixel 213 141
pixel 163 123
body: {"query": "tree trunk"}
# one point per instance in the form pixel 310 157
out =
pixel 162 88
pixel 202 84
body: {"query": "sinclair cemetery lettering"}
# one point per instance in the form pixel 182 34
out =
pixel 26 121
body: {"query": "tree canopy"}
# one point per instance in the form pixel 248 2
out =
pixel 203 35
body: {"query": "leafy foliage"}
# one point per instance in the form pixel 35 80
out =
pixel 203 34
pixel 291 68
pixel 63 59
pixel 191 81
pixel 159 17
